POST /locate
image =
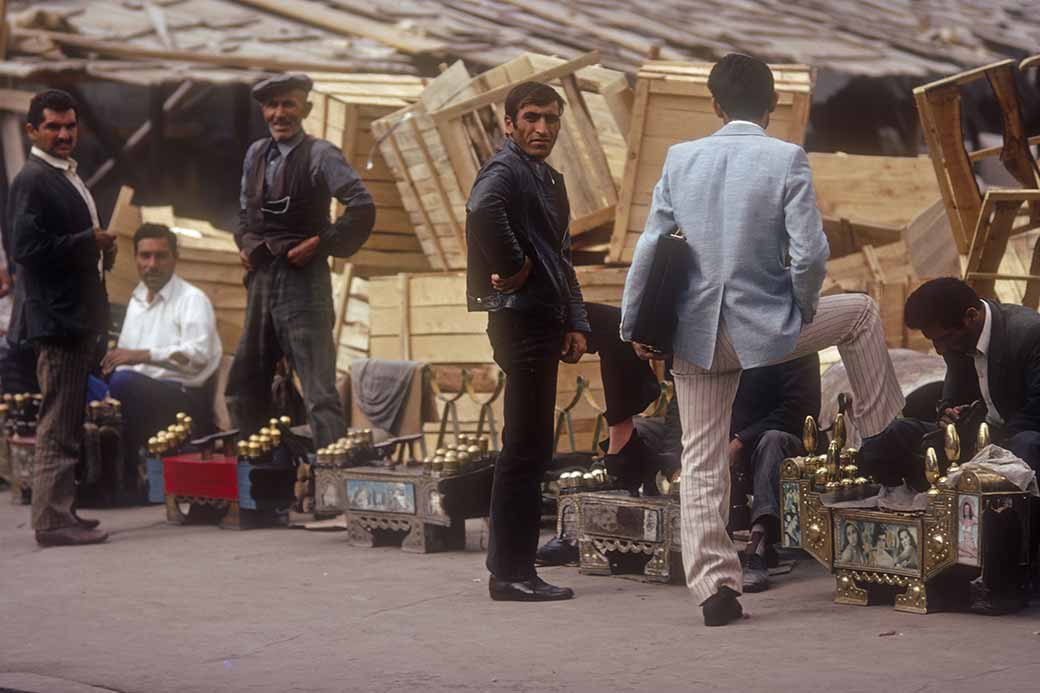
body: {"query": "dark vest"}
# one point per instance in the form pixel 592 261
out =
pixel 293 208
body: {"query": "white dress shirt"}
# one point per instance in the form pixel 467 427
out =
pixel 981 358
pixel 179 330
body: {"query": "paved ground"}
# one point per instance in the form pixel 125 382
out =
pixel 163 608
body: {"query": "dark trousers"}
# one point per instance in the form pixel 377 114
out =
pixel 289 313
pixel 895 454
pixel 629 383
pixel 150 405
pixel 527 348
pixel 62 367
pixel 772 448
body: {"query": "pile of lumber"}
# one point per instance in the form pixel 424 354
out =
pixel 436 147
pixel 344 106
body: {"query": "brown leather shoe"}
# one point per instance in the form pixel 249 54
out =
pixel 85 523
pixel 70 536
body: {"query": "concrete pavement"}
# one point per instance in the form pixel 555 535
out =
pixel 163 608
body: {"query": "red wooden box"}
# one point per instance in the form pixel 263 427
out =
pixel 190 475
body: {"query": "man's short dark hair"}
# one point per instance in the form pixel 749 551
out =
pixel 742 86
pixel 55 99
pixel 156 231
pixel 940 303
pixel 531 94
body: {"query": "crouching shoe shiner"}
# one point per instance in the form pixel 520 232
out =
pixel 285 237
pixel 519 270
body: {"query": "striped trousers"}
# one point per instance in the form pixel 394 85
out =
pixel 851 322
pixel 62 368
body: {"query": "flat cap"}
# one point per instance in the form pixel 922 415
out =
pixel 281 83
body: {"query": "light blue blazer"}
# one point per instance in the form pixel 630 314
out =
pixel 745 202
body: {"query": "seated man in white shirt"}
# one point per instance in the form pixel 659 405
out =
pixel 169 349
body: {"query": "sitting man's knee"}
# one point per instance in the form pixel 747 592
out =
pixel 119 383
pixel 1026 445
pixel 778 440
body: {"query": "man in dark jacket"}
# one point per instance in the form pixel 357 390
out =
pixel 992 354
pixel 60 306
pixel 519 269
pixel 285 238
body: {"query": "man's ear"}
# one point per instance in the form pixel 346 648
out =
pixel 510 126
pixel 30 131
pixel 776 100
pixel 718 109
pixel 307 107
pixel 970 316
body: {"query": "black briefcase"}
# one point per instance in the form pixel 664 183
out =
pixel 657 314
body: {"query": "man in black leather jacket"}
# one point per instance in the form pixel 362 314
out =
pixel 519 270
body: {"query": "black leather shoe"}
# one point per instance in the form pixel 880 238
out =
pixel 722 608
pixel 633 466
pixel 533 590
pixel 556 551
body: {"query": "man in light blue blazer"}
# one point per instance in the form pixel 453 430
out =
pixel 745 202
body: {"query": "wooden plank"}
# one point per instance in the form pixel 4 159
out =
pixel 134 52
pixel 347 23
pixel 456 109
pixel 456 226
pixel 635 143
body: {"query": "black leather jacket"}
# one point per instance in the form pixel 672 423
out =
pixel 518 208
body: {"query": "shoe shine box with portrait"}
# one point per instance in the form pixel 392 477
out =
pixel 929 558
pixel 421 507
pixel 617 534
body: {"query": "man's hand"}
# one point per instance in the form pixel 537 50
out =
pixel 109 258
pixel 950 415
pixel 646 353
pixel 301 253
pixel 123 357
pixel 735 452
pixel 5 282
pixel 574 347
pixel 243 256
pixel 104 240
pixel 513 284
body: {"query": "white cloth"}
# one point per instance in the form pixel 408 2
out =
pixel 852 322
pixel 179 330
pixel 68 167
pixel 981 358
pixel 996 459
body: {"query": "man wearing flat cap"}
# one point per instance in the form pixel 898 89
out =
pixel 285 236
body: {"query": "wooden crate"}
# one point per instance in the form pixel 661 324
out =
pixel 423 317
pixel 871 200
pixel 344 107
pixel 672 104
pixel 436 147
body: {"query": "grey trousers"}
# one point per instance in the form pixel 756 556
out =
pixel 772 449
pixel 289 313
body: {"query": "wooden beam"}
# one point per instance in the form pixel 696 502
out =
pixel 140 53
pixel 349 24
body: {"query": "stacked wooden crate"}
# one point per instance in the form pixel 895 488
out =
pixel 436 147
pixel 344 106
pixel 423 317
pixel 672 104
